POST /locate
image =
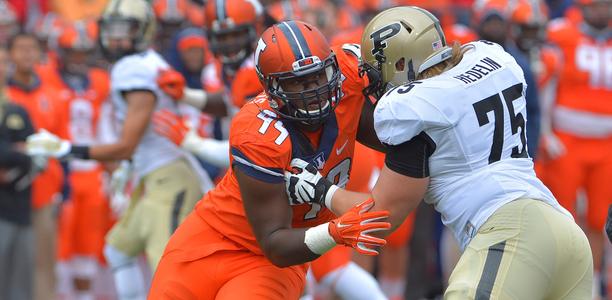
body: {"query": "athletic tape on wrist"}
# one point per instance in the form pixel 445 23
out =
pixel 318 239
pixel 330 195
pixel 195 97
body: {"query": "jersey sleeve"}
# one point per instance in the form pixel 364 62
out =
pixel 399 118
pixel 259 147
pixel 133 74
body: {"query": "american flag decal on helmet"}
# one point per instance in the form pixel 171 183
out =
pixel 436 45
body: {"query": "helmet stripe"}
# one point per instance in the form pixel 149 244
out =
pixel 296 39
pixel 220 4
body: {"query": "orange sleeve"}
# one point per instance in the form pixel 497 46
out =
pixel 349 65
pixel 259 145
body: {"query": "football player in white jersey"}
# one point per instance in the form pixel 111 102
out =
pixel 453 121
pixel 170 180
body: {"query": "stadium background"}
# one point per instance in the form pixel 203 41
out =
pixel 181 40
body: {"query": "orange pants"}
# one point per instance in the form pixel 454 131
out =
pixel 200 263
pixel 332 260
pixel 85 218
pixel 402 235
pixel 587 164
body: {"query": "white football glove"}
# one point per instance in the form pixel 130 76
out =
pixel 119 201
pixel 44 143
pixel 306 185
pixel 553 145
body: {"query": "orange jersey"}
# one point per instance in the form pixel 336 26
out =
pixel 84 106
pixel 459 33
pixel 46 111
pixel 585 83
pixel 548 65
pixel 263 146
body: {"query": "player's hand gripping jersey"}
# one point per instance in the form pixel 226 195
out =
pixel 263 146
pixel 480 161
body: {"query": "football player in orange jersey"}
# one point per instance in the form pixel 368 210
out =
pixel 86 217
pixel 29 89
pixel 529 20
pixel 582 117
pixel 230 80
pixel 244 240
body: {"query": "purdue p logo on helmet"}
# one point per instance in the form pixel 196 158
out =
pixel 398 44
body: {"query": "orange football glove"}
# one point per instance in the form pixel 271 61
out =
pixel 170 125
pixel 172 83
pixel 353 228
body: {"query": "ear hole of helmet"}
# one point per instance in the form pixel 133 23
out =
pixel 400 64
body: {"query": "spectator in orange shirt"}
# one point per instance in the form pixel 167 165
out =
pixel 28 89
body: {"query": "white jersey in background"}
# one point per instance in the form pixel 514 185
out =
pixel 475 113
pixel 139 72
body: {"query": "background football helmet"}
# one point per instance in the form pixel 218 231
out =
pixel 76 46
pixel 296 52
pixel 122 20
pixel 233 27
pixel 398 44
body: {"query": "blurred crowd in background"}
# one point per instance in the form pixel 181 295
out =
pixel 46 46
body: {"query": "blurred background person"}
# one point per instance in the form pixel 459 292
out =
pixel 582 120
pixel 8 22
pixel 16 234
pixel 32 91
pixel 85 218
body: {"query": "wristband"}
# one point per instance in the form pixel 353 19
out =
pixel 330 195
pixel 318 239
pixel 81 152
pixel 195 97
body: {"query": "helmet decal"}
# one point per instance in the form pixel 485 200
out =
pixel 379 38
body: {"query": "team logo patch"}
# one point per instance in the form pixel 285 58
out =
pixel 319 161
pixel 15 122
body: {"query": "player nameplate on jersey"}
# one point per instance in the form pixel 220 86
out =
pixel 480 70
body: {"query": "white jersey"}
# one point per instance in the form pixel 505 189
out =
pixel 139 72
pixel 475 113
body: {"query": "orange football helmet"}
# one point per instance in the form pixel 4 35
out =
pixel 170 11
pixel 529 19
pixel 77 43
pixel 529 12
pixel 299 72
pixel 233 27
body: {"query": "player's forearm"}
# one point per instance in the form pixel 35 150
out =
pixel 112 152
pixel 212 151
pixel 211 103
pixel 343 200
pixel 287 247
